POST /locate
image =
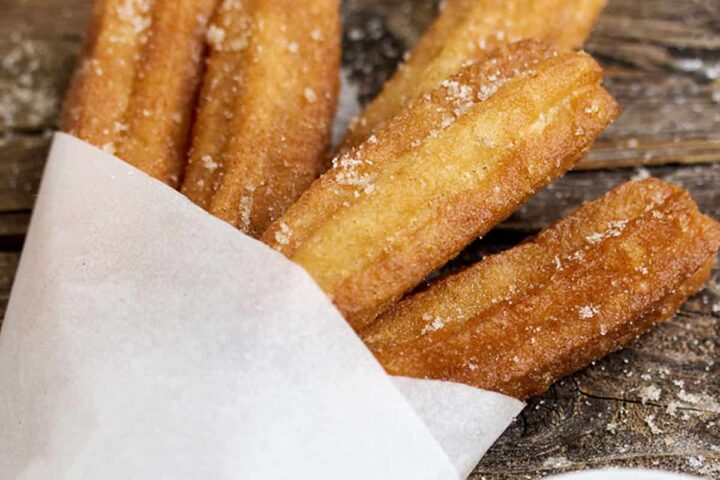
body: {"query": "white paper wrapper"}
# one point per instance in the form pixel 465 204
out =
pixel 146 339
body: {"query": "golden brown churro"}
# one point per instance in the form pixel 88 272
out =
pixel 455 164
pixel 266 108
pixel 465 31
pixel 133 90
pixel 590 284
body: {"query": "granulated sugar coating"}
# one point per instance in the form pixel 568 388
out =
pixel 266 109
pixel 401 204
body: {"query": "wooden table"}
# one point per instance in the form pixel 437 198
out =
pixel 655 405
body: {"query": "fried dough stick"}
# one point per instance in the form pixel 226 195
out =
pixel 133 90
pixel 465 31
pixel 266 108
pixel 454 165
pixel 586 286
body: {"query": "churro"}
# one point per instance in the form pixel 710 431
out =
pixel 133 90
pixel 586 286
pixel 454 165
pixel 466 31
pixel 266 108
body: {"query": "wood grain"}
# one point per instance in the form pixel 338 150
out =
pixel 654 405
pixel 563 195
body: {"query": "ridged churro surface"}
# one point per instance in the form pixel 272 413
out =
pixel 455 164
pixel 133 90
pixel 465 31
pixel 266 108
pixel 517 321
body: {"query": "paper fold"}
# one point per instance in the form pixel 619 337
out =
pixel 147 339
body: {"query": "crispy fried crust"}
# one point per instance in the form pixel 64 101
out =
pixel 425 117
pixel 466 31
pixel 454 165
pixel 266 108
pixel 134 87
pixel 590 284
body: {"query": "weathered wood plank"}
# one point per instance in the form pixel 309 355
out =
pixel 22 158
pixel 662 71
pixel 38 47
pixel 33 78
pixel 8 266
pixel 661 121
pixel 564 194
pixel 13 227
